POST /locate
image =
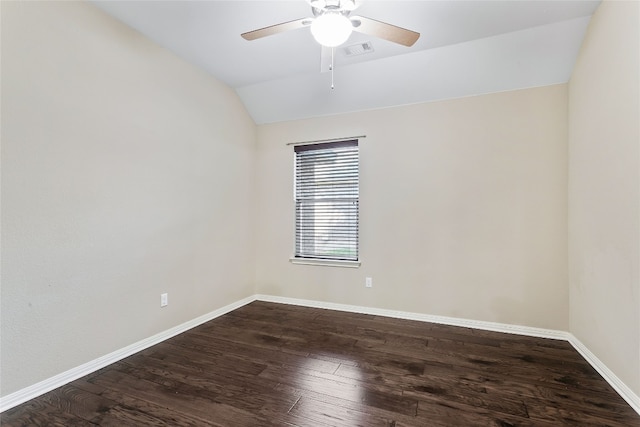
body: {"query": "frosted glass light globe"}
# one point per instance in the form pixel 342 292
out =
pixel 331 29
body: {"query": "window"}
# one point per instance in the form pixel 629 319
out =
pixel 326 199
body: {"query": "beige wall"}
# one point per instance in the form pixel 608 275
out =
pixel 604 191
pixel 125 173
pixel 463 209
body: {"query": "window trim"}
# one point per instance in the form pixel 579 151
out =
pixel 325 262
pixel 321 261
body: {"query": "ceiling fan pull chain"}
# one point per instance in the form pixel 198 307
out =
pixel 331 68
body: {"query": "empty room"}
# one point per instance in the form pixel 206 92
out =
pixel 320 213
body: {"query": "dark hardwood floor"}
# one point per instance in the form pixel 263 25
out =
pixel 278 365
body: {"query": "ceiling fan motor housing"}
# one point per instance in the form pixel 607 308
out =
pixel 319 7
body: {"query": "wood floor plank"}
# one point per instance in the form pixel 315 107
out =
pixel 319 412
pixel 352 405
pixel 244 390
pixel 179 397
pixel 450 413
pixel 127 416
pixel 77 402
pixel 129 404
pixel 369 394
pixel 39 413
pixel 266 356
pixel 268 364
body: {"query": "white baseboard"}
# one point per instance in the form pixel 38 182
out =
pixel 59 380
pixel 453 321
pixel 63 378
pixel 620 387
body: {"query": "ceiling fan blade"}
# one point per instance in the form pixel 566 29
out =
pixel 278 28
pixel 384 31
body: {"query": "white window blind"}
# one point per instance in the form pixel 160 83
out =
pixel 326 193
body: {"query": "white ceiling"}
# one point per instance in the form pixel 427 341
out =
pixel 465 48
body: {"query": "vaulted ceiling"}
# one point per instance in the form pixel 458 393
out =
pixel 466 48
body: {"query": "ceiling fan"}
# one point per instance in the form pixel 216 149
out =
pixel 332 23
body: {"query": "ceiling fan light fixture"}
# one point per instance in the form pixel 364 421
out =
pixel 331 29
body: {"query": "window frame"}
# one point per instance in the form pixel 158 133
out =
pixel 298 206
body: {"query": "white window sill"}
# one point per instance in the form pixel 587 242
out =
pixel 325 262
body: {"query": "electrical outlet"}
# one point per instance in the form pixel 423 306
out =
pixel 368 282
pixel 164 300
